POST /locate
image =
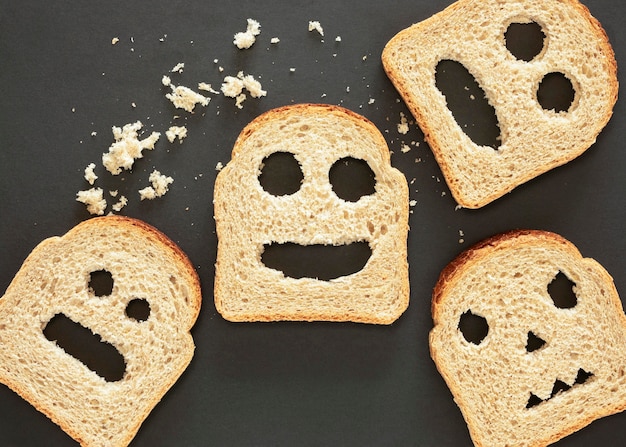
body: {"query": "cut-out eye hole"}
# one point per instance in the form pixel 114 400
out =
pixel 556 92
pixel 101 283
pixel 524 40
pixel 352 179
pixel 534 343
pixel 138 309
pixel 281 174
pixel 473 327
pixel 561 290
pixel 468 104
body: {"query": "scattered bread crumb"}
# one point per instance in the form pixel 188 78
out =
pixel 244 40
pixel 183 97
pixel 127 147
pixel 405 148
pixel 274 40
pixel 207 88
pixel 178 68
pixel 93 199
pixel 315 25
pixel 160 185
pixel 338 39
pixel 176 131
pixel 219 166
pixel 413 203
pixel 117 207
pixel 233 88
pixel 90 176
pixel 403 126
pixel 113 193
pixel 115 40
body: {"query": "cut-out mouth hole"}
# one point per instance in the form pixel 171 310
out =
pixel 559 387
pixel 468 104
pixel 82 344
pixel 323 262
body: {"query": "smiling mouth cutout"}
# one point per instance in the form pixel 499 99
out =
pixel 323 262
pixel 560 387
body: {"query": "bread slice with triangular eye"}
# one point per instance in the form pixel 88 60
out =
pixel 530 338
pixel 314 218
pixel 535 134
pixel 125 285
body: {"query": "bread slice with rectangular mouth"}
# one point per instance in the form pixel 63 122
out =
pixel 142 312
pixel 311 218
pixel 529 336
pixel 533 139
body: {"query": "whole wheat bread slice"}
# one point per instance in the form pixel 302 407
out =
pixel 249 218
pixel 542 366
pixel 55 280
pixel 533 140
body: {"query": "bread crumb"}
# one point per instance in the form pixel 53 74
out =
pixel 371 101
pixel 233 88
pixel 94 133
pixel 113 193
pixel 413 203
pixel 160 185
pixel 96 204
pixel 405 148
pixel 315 25
pixel 244 40
pixel 207 88
pixel 292 69
pixel 178 68
pixel 183 97
pixel 338 39
pixel 115 40
pixel 120 204
pixel 90 176
pixel 127 147
pixel 176 131
pixel 274 40
pixel 219 166
pixel 403 126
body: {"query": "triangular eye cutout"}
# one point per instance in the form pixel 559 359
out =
pixel 533 343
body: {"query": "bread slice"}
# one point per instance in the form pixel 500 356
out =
pixel 543 366
pixel 533 140
pixel 56 279
pixel 249 219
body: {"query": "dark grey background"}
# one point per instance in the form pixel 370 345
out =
pixel 265 384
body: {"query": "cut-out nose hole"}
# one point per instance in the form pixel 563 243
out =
pixel 101 282
pixel 533 343
pixel 556 92
pixel 281 174
pixel 324 262
pixel 468 104
pixel 473 327
pixel 352 179
pixel 82 344
pixel 524 40
pixel 138 309
pixel 561 290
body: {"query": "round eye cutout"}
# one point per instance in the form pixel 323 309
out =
pixel 352 178
pixel 100 283
pixel 473 327
pixel 556 92
pixel 525 41
pixel 138 309
pixel 281 174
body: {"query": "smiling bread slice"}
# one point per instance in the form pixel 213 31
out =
pixel 313 221
pixel 530 338
pixel 534 136
pixel 141 308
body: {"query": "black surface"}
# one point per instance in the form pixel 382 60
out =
pixel 265 384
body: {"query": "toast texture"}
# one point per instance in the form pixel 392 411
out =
pixel 533 139
pixel 512 393
pixel 249 218
pixel 55 279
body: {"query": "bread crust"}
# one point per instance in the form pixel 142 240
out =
pixel 175 256
pixel 468 185
pixel 453 277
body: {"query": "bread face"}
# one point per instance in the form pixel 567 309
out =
pixel 511 389
pixel 533 140
pixel 55 280
pixel 249 218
